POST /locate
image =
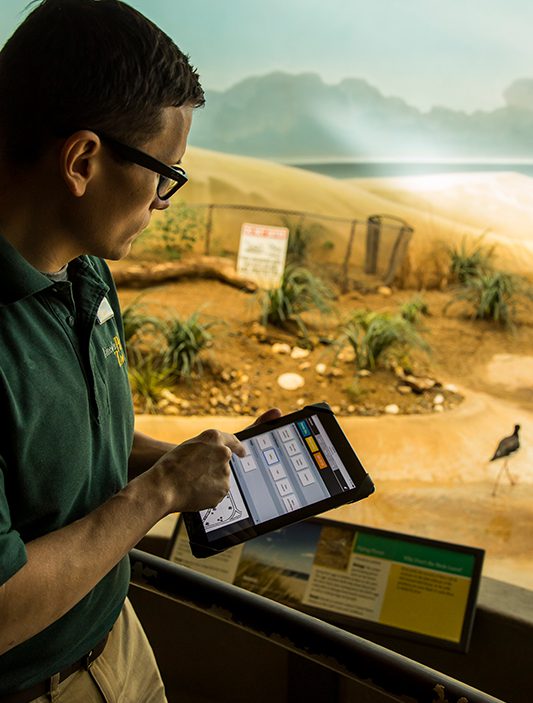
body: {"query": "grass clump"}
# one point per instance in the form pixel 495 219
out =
pixel 414 309
pixel 302 236
pixel 379 337
pixel 186 338
pixel 135 321
pixel 298 292
pixel 493 296
pixel 469 261
pixel 148 379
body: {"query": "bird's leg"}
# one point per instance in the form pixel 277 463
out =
pixel 497 481
pixel 506 467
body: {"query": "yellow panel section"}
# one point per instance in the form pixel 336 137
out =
pixel 428 602
pixel 311 444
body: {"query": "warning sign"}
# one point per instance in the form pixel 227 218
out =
pixel 262 252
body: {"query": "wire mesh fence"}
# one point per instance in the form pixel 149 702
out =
pixel 346 247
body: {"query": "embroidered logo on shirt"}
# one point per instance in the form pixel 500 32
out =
pixel 116 349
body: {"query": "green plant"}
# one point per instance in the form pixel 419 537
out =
pixel 178 228
pixel 355 392
pixel 301 236
pixel 493 296
pixel 413 309
pixel 185 340
pixel 135 320
pixel 148 379
pixel 298 292
pixel 469 261
pixel 375 336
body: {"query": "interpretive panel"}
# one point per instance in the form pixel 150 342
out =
pixel 349 574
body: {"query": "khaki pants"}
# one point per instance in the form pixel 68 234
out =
pixel 125 672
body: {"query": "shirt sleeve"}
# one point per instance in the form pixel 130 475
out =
pixel 12 549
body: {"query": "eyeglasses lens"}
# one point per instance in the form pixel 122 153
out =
pixel 165 187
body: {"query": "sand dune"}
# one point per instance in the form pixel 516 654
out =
pixel 441 209
pixel 498 204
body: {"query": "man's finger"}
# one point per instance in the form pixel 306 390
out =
pixel 234 444
pixel 267 416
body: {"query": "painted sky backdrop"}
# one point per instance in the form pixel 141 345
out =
pixel 458 54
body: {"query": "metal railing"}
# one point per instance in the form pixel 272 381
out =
pixel 353 657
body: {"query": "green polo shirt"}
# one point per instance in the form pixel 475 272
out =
pixel 67 432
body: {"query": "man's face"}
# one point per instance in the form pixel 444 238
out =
pixel 127 192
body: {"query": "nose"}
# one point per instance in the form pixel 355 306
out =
pixel 159 204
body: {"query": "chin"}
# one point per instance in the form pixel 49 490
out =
pixel 117 254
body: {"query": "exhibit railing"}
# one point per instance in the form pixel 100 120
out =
pixel 325 645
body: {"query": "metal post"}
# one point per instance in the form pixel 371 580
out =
pixel 346 263
pixel 373 230
pixel 208 226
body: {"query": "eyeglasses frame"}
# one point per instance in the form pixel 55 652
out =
pixel 141 158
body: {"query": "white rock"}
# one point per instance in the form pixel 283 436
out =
pixel 290 381
pixel 171 410
pixel 304 365
pixel 385 291
pixel 299 353
pixel 347 354
pixel 169 395
pixel 320 369
pixel 364 372
pixel 335 372
pixel 438 399
pixel 438 408
pixel 300 402
pixel 405 390
pixel 281 348
pixel 451 387
pixel 392 409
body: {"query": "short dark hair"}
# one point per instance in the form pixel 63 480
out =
pixel 88 64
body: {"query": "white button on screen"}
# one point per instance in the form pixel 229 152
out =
pixel 284 487
pixel 248 463
pixel 292 448
pixel 285 433
pixel 291 502
pixel 306 477
pixel 277 471
pixel 299 462
pixel 270 456
pixel 264 441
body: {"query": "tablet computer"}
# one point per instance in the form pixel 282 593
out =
pixel 296 466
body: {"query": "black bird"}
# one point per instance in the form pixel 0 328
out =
pixel 507 446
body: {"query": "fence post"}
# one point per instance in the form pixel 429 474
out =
pixel 373 229
pixel 346 262
pixel 208 226
pixel 398 252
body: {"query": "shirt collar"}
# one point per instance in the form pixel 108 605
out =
pixel 18 279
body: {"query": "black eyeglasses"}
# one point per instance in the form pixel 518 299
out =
pixel 171 178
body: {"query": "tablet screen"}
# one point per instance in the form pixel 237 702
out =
pixel 285 469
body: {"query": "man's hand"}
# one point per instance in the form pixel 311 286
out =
pixel 195 475
pixel 267 416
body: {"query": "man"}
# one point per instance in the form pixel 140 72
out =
pixel 95 103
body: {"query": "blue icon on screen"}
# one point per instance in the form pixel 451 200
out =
pixel 304 428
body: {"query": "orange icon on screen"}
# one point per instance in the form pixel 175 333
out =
pixel 320 460
pixel 311 444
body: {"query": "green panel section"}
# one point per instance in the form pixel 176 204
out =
pixel 414 554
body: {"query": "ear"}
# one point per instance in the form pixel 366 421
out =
pixel 79 160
